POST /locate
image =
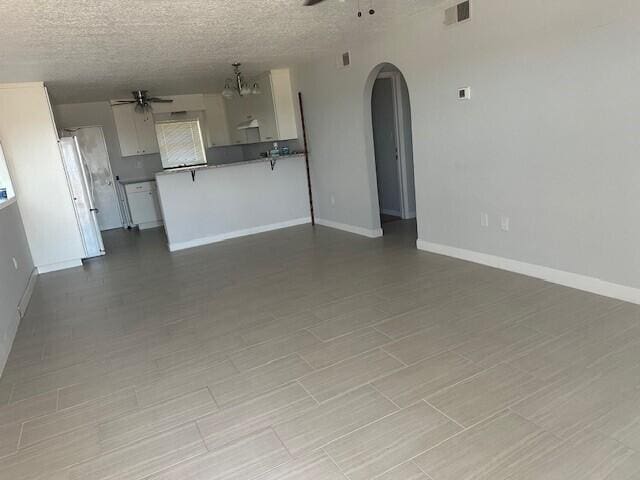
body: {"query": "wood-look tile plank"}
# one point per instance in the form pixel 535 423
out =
pixel 244 459
pixel 243 419
pixel 421 380
pixel 272 350
pixel 253 383
pixel 39 461
pixel 142 459
pixel 333 419
pixel 311 467
pixel 182 380
pixel 391 441
pixel 493 449
pixel 152 420
pixel 66 420
pixel 321 355
pixel 29 408
pixel 485 394
pixel 406 471
pixel 349 374
pixel 347 323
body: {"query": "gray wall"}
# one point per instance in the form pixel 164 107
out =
pixel 550 137
pixel 13 244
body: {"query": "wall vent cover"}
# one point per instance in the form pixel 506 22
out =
pixel 458 13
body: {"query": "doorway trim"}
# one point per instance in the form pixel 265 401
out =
pixel 369 143
pixel 400 127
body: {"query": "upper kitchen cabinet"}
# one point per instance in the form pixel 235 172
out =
pixel 136 131
pixel 284 106
pixel 217 129
pixel 273 111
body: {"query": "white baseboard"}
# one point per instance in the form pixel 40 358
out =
pixel 366 232
pixel 560 277
pixel 54 267
pixel 198 242
pixel 28 291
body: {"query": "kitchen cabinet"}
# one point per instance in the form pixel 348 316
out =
pixel 238 111
pixel 262 108
pixel 217 129
pixel 274 109
pixel 283 103
pixel 136 131
pixel 143 204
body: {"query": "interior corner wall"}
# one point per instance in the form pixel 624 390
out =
pixel 13 281
pixel 29 140
pixel 548 139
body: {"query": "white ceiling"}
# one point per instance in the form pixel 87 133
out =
pixel 100 49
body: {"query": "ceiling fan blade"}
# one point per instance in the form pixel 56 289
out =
pixel 123 102
pixel 309 3
pixel 159 100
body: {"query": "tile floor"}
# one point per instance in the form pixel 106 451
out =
pixel 315 354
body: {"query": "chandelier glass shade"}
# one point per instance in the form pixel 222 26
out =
pixel 238 85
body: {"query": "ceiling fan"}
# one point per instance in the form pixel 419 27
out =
pixel 308 3
pixel 142 100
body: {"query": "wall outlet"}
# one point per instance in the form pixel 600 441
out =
pixel 505 224
pixel 15 263
pixel 484 219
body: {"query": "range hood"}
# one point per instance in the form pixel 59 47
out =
pixel 248 124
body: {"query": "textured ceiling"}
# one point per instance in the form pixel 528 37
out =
pixel 89 50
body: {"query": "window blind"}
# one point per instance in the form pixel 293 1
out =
pixel 180 143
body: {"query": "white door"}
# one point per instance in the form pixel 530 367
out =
pixel 94 152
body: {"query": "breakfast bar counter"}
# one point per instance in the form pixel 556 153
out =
pixel 208 204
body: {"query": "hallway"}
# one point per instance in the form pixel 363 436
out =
pixel 310 353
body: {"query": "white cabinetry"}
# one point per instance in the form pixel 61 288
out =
pixel 136 131
pixel 274 109
pixel 217 130
pixel 143 204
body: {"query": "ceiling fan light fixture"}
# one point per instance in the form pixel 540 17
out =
pixel 255 90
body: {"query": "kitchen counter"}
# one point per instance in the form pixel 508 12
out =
pixel 231 164
pixel 202 205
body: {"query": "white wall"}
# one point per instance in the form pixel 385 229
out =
pixel 13 282
pixel 30 145
pixel 549 139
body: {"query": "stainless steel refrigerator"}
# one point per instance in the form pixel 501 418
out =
pixel 81 188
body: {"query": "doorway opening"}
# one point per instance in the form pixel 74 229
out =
pixel 393 147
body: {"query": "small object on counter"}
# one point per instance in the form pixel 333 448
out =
pixel 275 151
pixel 284 150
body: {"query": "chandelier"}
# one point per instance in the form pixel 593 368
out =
pixel 239 85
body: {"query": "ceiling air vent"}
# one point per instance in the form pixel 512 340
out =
pixel 458 13
pixel 344 60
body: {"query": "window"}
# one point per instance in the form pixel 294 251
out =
pixel 6 189
pixel 180 143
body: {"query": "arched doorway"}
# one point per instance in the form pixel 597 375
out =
pixel 391 145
